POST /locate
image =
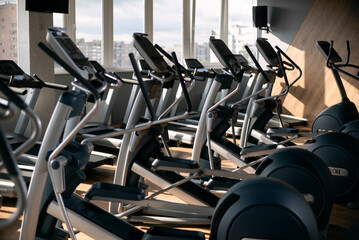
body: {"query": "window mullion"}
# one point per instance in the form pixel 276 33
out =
pixel 69 21
pixel 186 29
pixel 193 28
pixel 107 34
pixel 148 19
pixel 224 21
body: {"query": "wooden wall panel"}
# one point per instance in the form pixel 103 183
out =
pixel 336 20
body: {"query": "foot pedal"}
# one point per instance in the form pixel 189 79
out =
pixel 258 150
pixel 221 183
pixel 111 192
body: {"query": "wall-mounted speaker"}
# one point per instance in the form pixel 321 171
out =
pixel 58 6
pixel 260 16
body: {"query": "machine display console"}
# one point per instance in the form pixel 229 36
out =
pixel 9 68
pixel 149 53
pixel 193 63
pixel 69 52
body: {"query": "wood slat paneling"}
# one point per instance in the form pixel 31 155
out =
pixel 326 20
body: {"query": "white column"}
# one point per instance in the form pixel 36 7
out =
pixel 193 27
pixel 148 19
pixel 186 29
pixel 32 28
pixel 224 21
pixel 107 34
pixel 70 21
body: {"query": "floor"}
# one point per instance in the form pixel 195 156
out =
pixel 342 218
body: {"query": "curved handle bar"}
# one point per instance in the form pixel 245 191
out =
pixel 9 161
pixel 281 52
pixel 184 89
pixel 281 66
pixel 336 67
pixel 339 66
pixel 172 60
pixel 142 86
pixel 258 66
pixel 69 69
pixel 287 57
pixel 35 135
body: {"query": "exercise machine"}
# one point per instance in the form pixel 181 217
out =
pixel 334 117
pixel 57 175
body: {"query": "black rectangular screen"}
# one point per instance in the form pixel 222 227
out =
pixel 58 6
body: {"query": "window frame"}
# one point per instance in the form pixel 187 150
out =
pixel 188 28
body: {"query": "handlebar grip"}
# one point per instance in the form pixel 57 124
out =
pixel 12 96
pixel 56 86
pixel 142 86
pixel 69 69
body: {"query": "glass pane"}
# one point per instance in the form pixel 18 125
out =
pixel 167 24
pixel 8 30
pixel 89 27
pixel 58 20
pixel 128 18
pixel 240 27
pixel 207 24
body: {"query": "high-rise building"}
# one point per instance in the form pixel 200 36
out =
pixel 8 31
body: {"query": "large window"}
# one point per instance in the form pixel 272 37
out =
pixel 167 24
pixel 89 27
pixel 167 18
pixel 8 30
pixel 128 18
pixel 240 28
pixel 207 24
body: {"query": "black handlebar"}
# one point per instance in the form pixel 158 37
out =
pixel 142 86
pixel 69 69
pixel 258 66
pixel 280 52
pixel 161 50
pixel 180 77
pixel 333 58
